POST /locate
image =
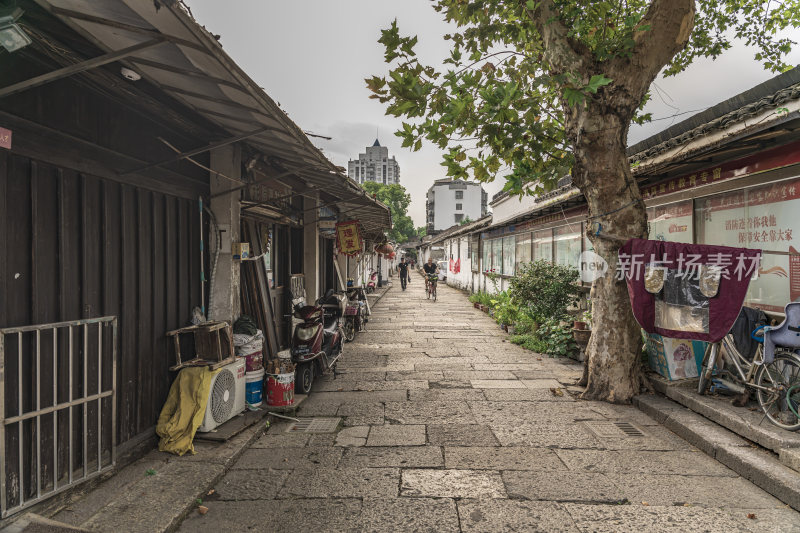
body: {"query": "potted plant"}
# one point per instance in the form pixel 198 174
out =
pixel 584 322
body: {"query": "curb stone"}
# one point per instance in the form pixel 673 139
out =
pixel 757 465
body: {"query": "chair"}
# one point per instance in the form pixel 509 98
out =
pixel 785 335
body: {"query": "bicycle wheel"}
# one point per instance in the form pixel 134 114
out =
pixel 434 293
pixel 428 291
pixel 778 376
pixel 706 369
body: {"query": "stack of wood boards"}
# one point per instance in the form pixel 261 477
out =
pixel 255 291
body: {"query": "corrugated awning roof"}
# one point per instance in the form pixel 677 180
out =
pixel 186 62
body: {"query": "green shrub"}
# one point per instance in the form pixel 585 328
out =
pixel 474 298
pixel 545 290
pixel 552 338
pixel 558 337
pixel 504 308
pixel 529 342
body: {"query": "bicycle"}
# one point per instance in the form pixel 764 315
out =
pixel 431 289
pixel 776 384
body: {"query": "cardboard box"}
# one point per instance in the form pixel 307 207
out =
pixel 675 358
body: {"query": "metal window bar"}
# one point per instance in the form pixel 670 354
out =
pixel 15 489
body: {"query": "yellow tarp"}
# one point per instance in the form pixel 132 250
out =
pixel 184 409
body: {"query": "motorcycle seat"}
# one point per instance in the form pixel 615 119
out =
pixel 330 325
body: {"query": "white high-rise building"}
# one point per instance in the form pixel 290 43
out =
pixel 450 202
pixel 374 165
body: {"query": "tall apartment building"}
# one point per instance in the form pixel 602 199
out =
pixel 374 165
pixel 451 202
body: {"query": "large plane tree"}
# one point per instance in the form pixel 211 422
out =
pixel 535 90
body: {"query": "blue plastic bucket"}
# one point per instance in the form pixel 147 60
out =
pixel 254 387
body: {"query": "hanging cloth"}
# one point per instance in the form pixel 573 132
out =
pixel 687 291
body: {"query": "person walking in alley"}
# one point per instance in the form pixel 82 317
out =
pixel 402 269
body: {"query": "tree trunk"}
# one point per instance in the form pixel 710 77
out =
pixel 603 174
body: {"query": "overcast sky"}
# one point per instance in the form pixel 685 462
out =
pixel 312 57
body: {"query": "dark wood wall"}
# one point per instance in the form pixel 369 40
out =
pixel 78 246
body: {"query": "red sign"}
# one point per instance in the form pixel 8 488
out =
pixel 767 160
pixel 5 138
pixel 348 237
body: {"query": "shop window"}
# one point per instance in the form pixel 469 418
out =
pixel 509 245
pixel 763 217
pixel 543 245
pixel 567 240
pixel 671 222
pixel 497 257
pixel 523 251
pixel 474 245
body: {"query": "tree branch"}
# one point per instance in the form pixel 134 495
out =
pixel 663 32
pixel 561 53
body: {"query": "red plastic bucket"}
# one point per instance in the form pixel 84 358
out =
pixel 280 389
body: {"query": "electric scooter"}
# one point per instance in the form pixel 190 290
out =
pixel 317 341
pixel 373 282
pixel 355 314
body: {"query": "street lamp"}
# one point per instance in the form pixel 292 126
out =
pixel 12 36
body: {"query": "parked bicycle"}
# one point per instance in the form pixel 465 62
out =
pixel 433 279
pixel 776 382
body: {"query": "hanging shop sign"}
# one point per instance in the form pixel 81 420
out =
pixel 348 237
pixel 5 138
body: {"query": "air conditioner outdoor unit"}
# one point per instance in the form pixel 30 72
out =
pixel 226 396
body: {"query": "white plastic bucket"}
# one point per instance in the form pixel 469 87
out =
pixel 254 387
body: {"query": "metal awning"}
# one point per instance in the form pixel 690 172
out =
pixel 162 42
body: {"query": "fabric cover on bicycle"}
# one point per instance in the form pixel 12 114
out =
pixel 686 291
pixel 785 335
pixel 748 320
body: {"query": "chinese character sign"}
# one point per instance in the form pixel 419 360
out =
pixel 5 138
pixel 348 237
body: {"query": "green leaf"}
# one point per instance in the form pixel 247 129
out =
pixel 597 81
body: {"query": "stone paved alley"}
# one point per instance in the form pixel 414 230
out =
pixel 449 427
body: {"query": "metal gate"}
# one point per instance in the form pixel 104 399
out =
pixel 58 409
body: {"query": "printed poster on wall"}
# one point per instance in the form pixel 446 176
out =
pixel 764 218
pixel 348 237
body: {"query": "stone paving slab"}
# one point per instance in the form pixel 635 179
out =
pixel 469 375
pixel 426 412
pixel 288 458
pixel 544 435
pixel 264 484
pixel 707 491
pixel 433 394
pixel 330 515
pixel 461 435
pixel 369 386
pixel 613 519
pixel 327 482
pixel 393 456
pixel 643 462
pixel 526 395
pixel 556 486
pixel 433 515
pixel 397 435
pixel 502 458
pixel 496 383
pixel 452 484
pixel 493 515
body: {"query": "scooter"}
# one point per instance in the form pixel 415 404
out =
pixel 317 341
pixel 373 282
pixel 355 314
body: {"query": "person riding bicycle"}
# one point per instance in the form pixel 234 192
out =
pixel 431 269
